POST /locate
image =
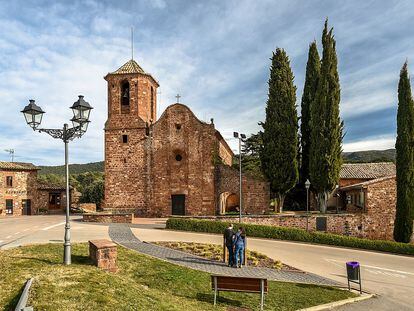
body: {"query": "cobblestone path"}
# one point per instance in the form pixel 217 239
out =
pixel 122 234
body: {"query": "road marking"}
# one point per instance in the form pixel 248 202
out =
pixel 8 237
pixel 17 233
pixel 53 226
pixel 374 267
pixel 26 230
pixel 1 241
pixel 387 273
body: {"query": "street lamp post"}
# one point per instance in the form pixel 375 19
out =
pixel 240 138
pixel 307 185
pixel 81 110
pixel 337 196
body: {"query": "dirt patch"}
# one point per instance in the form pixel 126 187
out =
pixel 215 252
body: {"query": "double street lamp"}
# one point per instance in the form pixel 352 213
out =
pixel 81 111
pixel 240 138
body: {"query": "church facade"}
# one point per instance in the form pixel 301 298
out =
pixel 174 165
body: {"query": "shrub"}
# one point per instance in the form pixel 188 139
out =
pixel 292 234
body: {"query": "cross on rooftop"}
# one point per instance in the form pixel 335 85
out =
pixel 178 98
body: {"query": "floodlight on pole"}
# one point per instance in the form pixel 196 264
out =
pixel 240 137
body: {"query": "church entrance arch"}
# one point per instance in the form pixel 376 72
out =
pixel 229 202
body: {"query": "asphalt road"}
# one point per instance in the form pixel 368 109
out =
pixel 24 230
pixel 391 277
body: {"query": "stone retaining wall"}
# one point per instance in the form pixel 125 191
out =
pixel 89 207
pixel 108 218
pixel 358 225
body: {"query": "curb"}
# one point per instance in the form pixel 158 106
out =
pixel 331 305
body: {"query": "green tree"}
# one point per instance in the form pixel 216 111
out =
pixel 93 193
pixel 280 129
pixel 326 127
pixel 253 145
pixel 82 181
pixel 251 156
pixel 53 179
pixel 308 97
pixel 404 146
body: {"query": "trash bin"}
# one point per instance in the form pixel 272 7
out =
pixel 352 270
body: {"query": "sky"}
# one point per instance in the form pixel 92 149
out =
pixel 215 54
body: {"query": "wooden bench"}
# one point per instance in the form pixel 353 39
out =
pixel 239 284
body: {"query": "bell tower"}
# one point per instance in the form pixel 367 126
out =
pixel 132 92
pixel 132 108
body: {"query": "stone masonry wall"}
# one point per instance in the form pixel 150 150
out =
pixel 381 207
pixel 256 193
pixel 343 182
pixel 24 188
pixel 180 161
pixel 108 218
pixel 376 223
pixel 225 152
pixel 125 166
pixel 43 200
pixel 336 223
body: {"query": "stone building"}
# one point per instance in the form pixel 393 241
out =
pixel 22 194
pixel 365 206
pixel 51 198
pixel 18 191
pixel 166 166
pixel 352 192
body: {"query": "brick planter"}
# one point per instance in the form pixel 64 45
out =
pixel 103 254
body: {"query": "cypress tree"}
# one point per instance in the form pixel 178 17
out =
pixel 280 138
pixel 403 226
pixel 326 126
pixel 309 91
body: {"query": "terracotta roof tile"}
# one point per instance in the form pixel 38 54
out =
pixel 367 170
pixel 17 166
pixel 41 185
pixel 129 67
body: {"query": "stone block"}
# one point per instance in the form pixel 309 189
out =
pixel 103 254
pixel 88 207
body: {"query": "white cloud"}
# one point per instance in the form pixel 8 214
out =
pixel 215 54
pixel 377 143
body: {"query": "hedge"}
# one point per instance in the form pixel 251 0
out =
pixel 292 234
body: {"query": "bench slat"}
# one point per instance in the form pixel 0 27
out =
pixel 227 283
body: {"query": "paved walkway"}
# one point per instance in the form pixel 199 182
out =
pixel 122 234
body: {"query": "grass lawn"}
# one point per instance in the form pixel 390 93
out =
pixel 142 283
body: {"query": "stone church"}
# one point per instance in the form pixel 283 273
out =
pixel 174 165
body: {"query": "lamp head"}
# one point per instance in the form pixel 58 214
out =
pixel 83 126
pixel 33 114
pixel 81 110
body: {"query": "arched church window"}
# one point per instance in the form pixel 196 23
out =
pixel 152 103
pixel 125 97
